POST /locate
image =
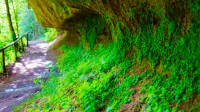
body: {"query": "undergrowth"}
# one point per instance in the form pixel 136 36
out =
pixel 92 81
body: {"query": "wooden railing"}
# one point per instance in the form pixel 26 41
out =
pixel 16 45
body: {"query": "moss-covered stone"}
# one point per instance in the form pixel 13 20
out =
pixel 66 14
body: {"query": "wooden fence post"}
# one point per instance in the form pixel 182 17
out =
pixel 22 44
pixel 27 39
pixel 15 50
pixel 3 62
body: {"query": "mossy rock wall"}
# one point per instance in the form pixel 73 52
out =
pixel 66 14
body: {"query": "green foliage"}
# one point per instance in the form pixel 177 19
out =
pixel 50 34
pixel 29 23
pixel 90 32
pixel 194 6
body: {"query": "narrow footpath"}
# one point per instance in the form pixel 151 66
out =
pixel 18 85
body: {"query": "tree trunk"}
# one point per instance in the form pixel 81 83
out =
pixel 10 21
pixel 15 11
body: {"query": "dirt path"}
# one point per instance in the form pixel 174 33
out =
pixel 19 86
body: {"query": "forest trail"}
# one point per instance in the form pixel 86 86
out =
pixel 19 86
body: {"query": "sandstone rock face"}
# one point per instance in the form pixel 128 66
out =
pixel 49 13
pixel 66 14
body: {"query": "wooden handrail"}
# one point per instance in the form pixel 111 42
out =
pixel 2 50
pixel 12 43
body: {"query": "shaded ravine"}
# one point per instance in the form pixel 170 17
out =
pixel 18 85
